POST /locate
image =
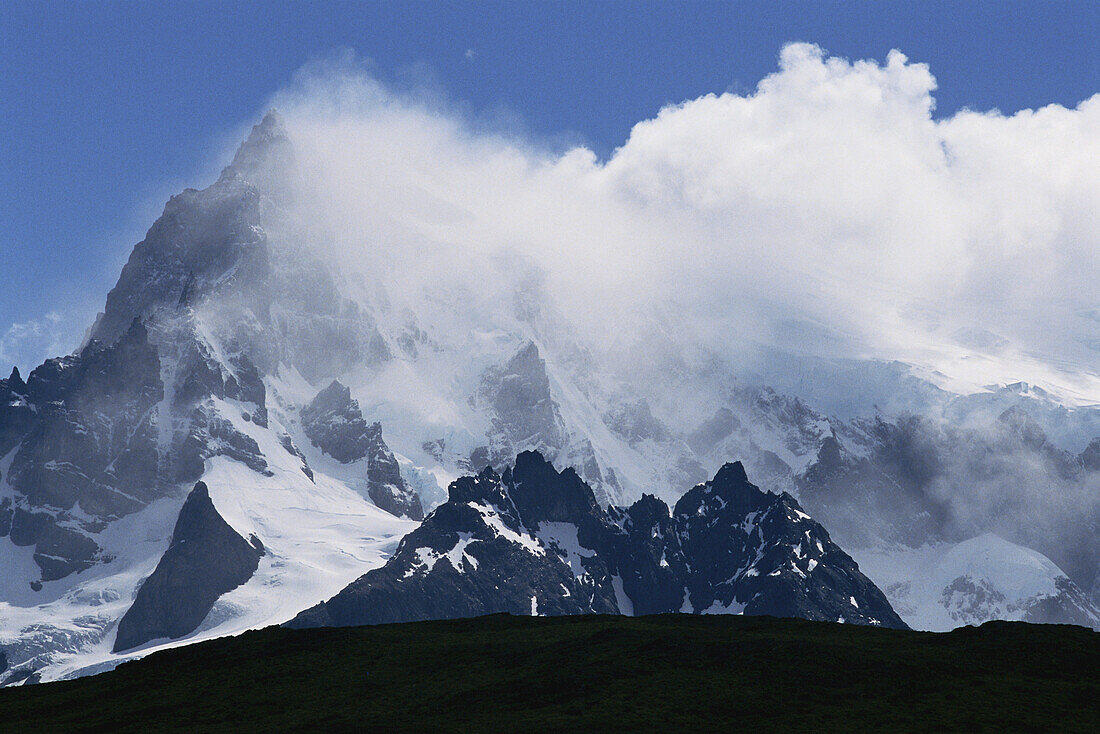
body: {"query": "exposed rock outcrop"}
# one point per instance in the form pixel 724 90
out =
pixel 334 423
pixel 205 559
pixel 535 541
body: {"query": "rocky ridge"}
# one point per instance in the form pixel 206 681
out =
pixel 535 541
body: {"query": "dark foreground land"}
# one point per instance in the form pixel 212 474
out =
pixel 591 673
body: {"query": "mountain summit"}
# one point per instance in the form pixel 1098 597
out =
pixel 534 541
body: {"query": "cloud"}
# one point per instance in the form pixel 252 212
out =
pixel 28 343
pixel 827 211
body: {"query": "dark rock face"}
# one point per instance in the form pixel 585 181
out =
pixel 569 498
pixel 275 301
pixel 200 376
pixel 200 236
pixel 288 444
pixel 212 435
pixel 334 423
pixel 534 541
pixel 524 416
pixel 782 562
pixel 16 413
pixel 206 306
pixel 94 410
pixel 471 556
pixel 205 559
pixel 385 485
pixel 86 430
pixel 1090 457
pixel 523 413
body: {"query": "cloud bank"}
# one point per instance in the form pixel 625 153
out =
pixel 828 211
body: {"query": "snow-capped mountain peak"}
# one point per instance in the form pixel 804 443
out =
pixel 534 540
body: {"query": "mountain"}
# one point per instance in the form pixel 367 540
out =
pixel 535 541
pixel 325 404
pixel 195 373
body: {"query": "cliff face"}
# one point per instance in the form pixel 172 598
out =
pixel 205 559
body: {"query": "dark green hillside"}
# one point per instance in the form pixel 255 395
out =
pixel 591 673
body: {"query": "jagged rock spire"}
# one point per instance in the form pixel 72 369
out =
pixel 266 153
pixel 15 382
pixel 533 541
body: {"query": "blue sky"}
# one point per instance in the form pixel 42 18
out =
pixel 109 107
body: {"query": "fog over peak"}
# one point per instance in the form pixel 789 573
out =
pixel 828 211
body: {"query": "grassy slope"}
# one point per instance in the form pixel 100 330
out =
pixel 591 673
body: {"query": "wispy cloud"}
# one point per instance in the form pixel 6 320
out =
pixel 27 343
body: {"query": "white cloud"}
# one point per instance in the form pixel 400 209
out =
pixel 28 343
pixel 829 205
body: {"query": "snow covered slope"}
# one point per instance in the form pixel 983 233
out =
pixel 318 537
pixel 940 587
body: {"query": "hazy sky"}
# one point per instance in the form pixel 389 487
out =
pixel 108 108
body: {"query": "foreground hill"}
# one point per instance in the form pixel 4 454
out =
pixel 596 673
